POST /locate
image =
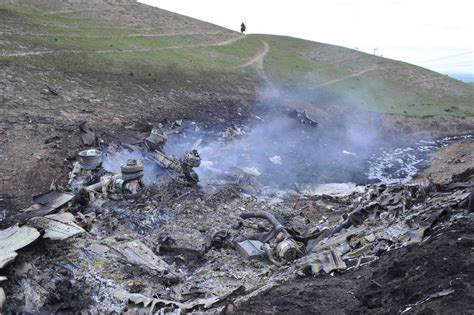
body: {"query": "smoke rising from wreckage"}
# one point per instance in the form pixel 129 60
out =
pixel 286 176
pixel 140 233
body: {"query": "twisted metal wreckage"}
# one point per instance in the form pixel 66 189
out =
pixel 118 219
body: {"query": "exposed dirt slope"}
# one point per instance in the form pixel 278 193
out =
pixel 389 286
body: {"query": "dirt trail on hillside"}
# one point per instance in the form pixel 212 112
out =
pixel 109 36
pixel 348 77
pixel 257 60
pixel 36 24
pixel 73 51
pixel 76 11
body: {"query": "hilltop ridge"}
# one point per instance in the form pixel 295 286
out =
pixel 123 37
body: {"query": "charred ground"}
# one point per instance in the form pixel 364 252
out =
pixel 124 67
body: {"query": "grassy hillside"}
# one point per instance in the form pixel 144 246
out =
pixel 123 38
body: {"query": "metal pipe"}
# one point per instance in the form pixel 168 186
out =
pixel 266 248
pixel 105 180
pixel 269 217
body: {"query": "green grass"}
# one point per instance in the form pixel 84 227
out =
pixel 107 43
pixel 395 87
pixel 243 49
pixel 27 15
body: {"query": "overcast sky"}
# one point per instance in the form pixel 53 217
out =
pixel 435 34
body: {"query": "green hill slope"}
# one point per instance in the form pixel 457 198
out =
pixel 123 37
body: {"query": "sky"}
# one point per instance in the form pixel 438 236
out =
pixel 435 34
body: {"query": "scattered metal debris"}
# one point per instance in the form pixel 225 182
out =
pixel 174 247
pixel 231 133
pixel 90 159
pixel 169 306
pixel 302 117
pixel 156 140
pixel 284 246
pixel 57 226
pixel 88 136
pixel 46 203
pixel 135 252
pixel 429 297
pixel 249 248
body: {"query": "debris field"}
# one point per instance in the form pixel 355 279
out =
pixel 137 230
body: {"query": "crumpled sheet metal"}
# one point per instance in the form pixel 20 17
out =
pixel 14 238
pixel 137 253
pixel 333 189
pixel 326 260
pixel 336 240
pixel 57 226
pixel 46 203
pixel 151 303
pixel 53 199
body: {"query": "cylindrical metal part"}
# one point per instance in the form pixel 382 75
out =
pixel 267 216
pixel 288 249
pixel 133 169
pixel 268 251
pixel 105 180
pixel 90 159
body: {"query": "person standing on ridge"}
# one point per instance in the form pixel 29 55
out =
pixel 242 28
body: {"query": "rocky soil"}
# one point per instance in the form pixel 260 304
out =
pixel 421 266
pixel 410 250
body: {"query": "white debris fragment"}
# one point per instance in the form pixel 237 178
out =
pixel 138 253
pixel 252 171
pixel 348 152
pixel 276 159
pixel 150 302
pixel 332 189
pixel 14 238
pixel 57 226
pixel 231 132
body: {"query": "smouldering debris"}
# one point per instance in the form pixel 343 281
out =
pixel 137 231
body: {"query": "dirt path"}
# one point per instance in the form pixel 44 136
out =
pixel 109 36
pixel 257 60
pixel 38 24
pixel 347 77
pixel 22 54
pixel 81 10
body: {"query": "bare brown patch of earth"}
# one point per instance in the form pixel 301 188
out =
pixel 390 285
pixel 451 163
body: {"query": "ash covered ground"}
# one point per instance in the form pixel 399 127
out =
pixel 365 224
pixel 295 200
